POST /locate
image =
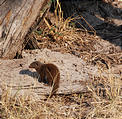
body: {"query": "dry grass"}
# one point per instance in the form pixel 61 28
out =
pixel 18 107
pixel 62 29
pixel 107 98
pixel 103 100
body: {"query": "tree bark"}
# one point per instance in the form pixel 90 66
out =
pixel 16 17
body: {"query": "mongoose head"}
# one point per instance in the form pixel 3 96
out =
pixel 36 65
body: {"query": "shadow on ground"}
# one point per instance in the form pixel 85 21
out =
pixel 105 18
pixel 29 73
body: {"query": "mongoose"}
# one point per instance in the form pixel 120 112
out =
pixel 49 74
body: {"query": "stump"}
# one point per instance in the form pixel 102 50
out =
pixel 16 17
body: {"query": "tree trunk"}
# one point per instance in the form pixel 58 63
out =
pixel 16 17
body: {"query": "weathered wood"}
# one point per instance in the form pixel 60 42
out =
pixel 16 17
pixel 17 75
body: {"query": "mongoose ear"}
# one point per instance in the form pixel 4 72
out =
pixel 36 64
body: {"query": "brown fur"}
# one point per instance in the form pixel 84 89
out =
pixel 49 74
